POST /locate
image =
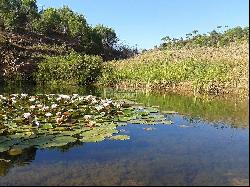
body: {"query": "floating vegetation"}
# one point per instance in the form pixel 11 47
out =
pixel 55 120
pixel 148 129
pixel 120 137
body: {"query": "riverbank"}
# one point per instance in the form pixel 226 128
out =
pixel 197 70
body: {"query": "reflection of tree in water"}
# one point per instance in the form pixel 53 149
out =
pixel 26 157
pixel 8 161
pixel 67 147
pixel 196 121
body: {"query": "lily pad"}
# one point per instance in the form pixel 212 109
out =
pixel 120 137
pixel 59 141
pixel 15 151
pixel 54 120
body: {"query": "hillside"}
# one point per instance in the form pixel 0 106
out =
pixel 20 53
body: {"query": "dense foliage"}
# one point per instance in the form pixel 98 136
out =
pixel 16 15
pixel 23 16
pixel 214 38
pixel 212 70
pixel 28 34
pixel 73 68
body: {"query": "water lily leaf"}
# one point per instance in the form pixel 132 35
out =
pixel 15 151
pixel 18 136
pixel 169 112
pixel 121 124
pixel 148 129
pixel 38 141
pixel 70 133
pixel 21 146
pixel 125 119
pixel 152 110
pixel 3 139
pixel 5 146
pixel 120 137
pixel 166 122
pixel 92 139
pixel 59 141
pixel 47 126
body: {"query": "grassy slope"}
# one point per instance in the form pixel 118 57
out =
pixel 215 70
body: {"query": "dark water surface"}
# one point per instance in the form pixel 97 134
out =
pixel 208 144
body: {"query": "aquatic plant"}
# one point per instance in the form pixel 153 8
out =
pixel 55 120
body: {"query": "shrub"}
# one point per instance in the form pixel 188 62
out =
pixel 73 68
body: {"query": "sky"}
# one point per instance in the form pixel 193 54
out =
pixel 143 23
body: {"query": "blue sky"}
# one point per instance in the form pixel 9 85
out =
pixel 145 22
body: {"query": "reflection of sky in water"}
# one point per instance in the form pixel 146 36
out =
pixel 189 152
pixel 200 153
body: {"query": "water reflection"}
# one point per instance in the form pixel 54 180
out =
pixel 9 161
pixel 208 144
pixel 232 111
pixel 199 154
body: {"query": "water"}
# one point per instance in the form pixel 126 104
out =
pixel 208 144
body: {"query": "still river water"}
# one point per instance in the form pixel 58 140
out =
pixel 208 144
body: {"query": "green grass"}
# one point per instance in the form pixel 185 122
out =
pixel 213 70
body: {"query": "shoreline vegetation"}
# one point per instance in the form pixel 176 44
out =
pixel 58 46
pixel 192 69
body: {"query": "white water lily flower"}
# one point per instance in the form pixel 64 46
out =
pixel 94 101
pixel 58 113
pixel 2 97
pixel 109 101
pixel 74 96
pixel 39 106
pixel 33 106
pixel 13 99
pixel 45 108
pixel 89 98
pixel 117 105
pixel 99 108
pixel 81 98
pixel 32 99
pixel 65 96
pixel 103 101
pixel 27 115
pixel 87 117
pixel 105 104
pixel 24 95
pixel 54 106
pixel 48 114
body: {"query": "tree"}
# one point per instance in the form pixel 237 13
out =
pixel 50 22
pixel 73 24
pixel 17 14
pixel 106 35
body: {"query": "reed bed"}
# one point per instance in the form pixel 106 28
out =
pixel 205 70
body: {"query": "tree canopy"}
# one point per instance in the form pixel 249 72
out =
pixel 23 16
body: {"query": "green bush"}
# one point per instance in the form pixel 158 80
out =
pixel 73 68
